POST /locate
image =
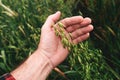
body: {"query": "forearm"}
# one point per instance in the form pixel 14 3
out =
pixel 36 67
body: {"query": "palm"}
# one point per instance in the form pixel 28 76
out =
pixel 51 45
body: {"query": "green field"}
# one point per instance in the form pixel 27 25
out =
pixel 98 58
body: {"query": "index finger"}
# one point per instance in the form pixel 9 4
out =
pixel 72 20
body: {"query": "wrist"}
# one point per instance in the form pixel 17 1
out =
pixel 47 55
pixel 43 54
pixel 36 67
pixel 40 54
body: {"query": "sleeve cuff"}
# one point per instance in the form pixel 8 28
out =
pixel 7 76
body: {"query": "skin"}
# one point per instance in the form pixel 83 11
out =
pixel 78 26
pixel 50 52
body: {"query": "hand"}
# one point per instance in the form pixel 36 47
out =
pixel 51 45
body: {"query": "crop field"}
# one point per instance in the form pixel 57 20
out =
pixel 97 58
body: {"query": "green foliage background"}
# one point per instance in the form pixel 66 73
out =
pixel 94 59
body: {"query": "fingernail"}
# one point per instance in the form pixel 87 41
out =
pixel 58 12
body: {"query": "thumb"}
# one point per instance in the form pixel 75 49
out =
pixel 52 19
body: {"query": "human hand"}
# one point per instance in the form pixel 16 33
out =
pixel 51 45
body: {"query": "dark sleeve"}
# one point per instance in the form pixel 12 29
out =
pixel 7 76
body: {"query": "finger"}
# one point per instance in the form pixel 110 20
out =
pixel 85 22
pixel 72 20
pixel 73 28
pixel 52 19
pixel 81 31
pixel 81 38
